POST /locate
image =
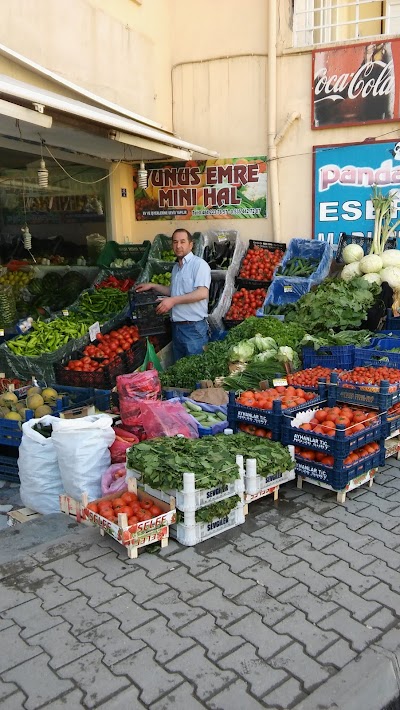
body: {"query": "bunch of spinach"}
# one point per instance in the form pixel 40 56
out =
pixel 213 512
pixel 334 304
pixel 212 459
pixel 360 338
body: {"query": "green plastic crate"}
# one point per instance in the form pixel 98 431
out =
pixel 114 250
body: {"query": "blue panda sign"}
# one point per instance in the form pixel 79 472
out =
pixel 344 177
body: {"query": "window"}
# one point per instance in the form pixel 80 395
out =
pixel 325 21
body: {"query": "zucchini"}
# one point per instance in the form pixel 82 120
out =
pixel 193 407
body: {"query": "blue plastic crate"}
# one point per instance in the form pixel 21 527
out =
pixel 339 476
pixel 9 469
pixel 392 424
pixel 308 249
pixel 392 322
pixel 334 356
pixel 339 445
pixel 376 356
pixel 281 293
pixel 369 396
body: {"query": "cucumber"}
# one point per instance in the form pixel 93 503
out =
pixel 193 407
pixel 221 416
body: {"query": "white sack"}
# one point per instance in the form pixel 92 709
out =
pixel 39 471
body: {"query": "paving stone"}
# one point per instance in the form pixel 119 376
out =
pixel 94 679
pixel 31 618
pixel 302 572
pixel 243 543
pixel 90 552
pixel 7 689
pixel 180 698
pixel 343 515
pixel 16 701
pixel 384 573
pixel 206 677
pixel 216 641
pixel 61 645
pixel 231 584
pixel 359 636
pixel 375 532
pixel 338 655
pixel 15 567
pixel 358 607
pixel 141 586
pixel 257 672
pixel 382 619
pixel 184 583
pixel 112 566
pixel 314 607
pixel 384 595
pixel 384 520
pixel 390 641
pixel 235 560
pixel 279 540
pixel 353 538
pixel 310 635
pixel 128 698
pixel 257 599
pixel 174 609
pixel 165 642
pixel 111 641
pixel 11 596
pixel 171 549
pixel 266 640
pixel 53 593
pixel 234 697
pixel 357 559
pixel 129 614
pixel 383 489
pixel 317 521
pixel 273 582
pixel 80 615
pixel 301 666
pixel 317 539
pixel 319 506
pixel 286 695
pixel 388 476
pixel 97 589
pixel 151 678
pixel 384 505
pixel 358 582
pixel 276 558
pixel 69 569
pixel 305 551
pixel 14 649
pixel 73 699
pixel 154 565
pixel 191 558
pixel 224 610
pixel 38 682
pixel 64 547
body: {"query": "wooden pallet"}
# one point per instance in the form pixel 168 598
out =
pixel 365 478
pixel 22 515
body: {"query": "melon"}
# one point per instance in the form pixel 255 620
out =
pixel 33 390
pixel 42 411
pixel 35 401
pixel 14 416
pixel 8 399
pixel 50 395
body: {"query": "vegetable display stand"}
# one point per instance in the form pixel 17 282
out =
pixel 360 480
pixel 364 242
pixel 256 487
pixel 9 465
pixel 380 397
pixel 104 378
pixel 223 251
pixel 378 354
pixel 138 253
pixel 339 477
pixel 161 247
pixel 133 537
pixel 195 528
pixel 392 322
pixel 392 447
pixel 317 254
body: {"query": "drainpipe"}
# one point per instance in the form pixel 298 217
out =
pixel 274 138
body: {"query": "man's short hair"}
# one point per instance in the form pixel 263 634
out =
pixel 189 236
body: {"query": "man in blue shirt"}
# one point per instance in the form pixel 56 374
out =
pixel 187 297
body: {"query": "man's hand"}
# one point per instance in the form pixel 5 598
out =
pixel 165 305
pixel 144 287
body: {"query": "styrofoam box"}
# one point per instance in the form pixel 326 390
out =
pixel 203 496
pixel 264 485
pixel 193 535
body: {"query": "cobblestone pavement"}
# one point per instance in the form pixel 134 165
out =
pixel 297 608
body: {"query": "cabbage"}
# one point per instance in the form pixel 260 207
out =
pixel 242 352
pixel 391 257
pixel 392 276
pixel 265 355
pixel 371 264
pixel 285 354
pixel 261 344
pixel 350 271
pixel 352 253
pixel 373 278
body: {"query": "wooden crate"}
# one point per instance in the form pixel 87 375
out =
pixel 22 515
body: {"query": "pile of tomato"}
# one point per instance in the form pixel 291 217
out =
pixel 245 303
pixel 135 509
pixel 259 264
pixel 105 349
pixel 371 375
pixel 289 397
pixel 326 420
pixel 310 377
pixel 326 460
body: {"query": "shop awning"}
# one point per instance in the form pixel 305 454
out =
pixel 30 115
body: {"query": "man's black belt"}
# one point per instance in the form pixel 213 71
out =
pixel 187 322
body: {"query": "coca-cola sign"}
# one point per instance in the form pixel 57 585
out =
pixel 356 84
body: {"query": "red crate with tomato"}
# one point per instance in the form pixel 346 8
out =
pixel 245 303
pixel 259 263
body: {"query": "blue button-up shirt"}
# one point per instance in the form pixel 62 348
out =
pixel 193 273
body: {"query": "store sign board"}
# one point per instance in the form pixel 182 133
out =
pixel 230 188
pixel 356 84
pixel 344 176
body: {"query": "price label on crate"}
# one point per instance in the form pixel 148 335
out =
pixel 11 387
pixel 1 333
pixel 65 312
pixel 279 382
pixel 94 330
pixel 288 289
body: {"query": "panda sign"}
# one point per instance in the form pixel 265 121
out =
pixel 344 177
